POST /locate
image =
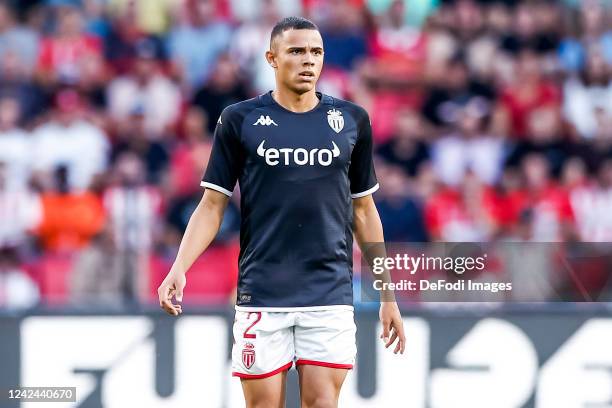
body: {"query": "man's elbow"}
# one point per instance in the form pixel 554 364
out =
pixel 364 211
pixel 213 202
pixel 364 205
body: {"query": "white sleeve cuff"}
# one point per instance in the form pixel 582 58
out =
pixel 216 188
pixel 365 193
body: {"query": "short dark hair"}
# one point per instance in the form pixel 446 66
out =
pixel 292 23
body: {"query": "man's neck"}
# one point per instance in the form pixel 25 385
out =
pixel 295 102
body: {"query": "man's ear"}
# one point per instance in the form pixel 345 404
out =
pixel 271 58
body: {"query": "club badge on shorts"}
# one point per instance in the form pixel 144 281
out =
pixel 335 120
pixel 248 355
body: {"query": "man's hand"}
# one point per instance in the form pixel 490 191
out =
pixel 393 326
pixel 173 285
pixel 201 229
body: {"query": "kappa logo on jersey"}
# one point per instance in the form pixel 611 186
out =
pixel 265 121
pixel 248 355
pixel 335 120
pixel 300 156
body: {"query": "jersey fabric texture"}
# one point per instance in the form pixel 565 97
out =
pixel 298 173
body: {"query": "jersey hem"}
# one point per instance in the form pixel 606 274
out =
pixel 367 192
pixel 292 309
pixel 216 188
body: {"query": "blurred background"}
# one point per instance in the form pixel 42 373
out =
pixel 492 122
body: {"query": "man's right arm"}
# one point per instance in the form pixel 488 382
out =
pixel 201 230
pixel 224 167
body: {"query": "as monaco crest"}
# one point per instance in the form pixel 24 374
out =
pixel 335 120
pixel 248 355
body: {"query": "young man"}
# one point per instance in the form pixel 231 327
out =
pixel 304 163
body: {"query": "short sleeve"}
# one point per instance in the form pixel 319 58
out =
pixel 226 158
pixel 361 171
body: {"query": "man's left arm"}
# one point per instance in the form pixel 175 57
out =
pixel 367 229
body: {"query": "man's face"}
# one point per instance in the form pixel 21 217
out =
pixel 297 57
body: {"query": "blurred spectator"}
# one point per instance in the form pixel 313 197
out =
pixel 223 88
pixel 468 148
pixel 145 88
pixel 17 289
pixel 593 34
pixel 15 146
pixel 252 10
pixel 148 16
pixel 467 213
pixel 596 31
pixel 528 91
pixel 544 136
pixel 401 214
pixel 483 52
pixel 70 140
pixel 16 82
pixel 133 137
pixel 587 101
pixel 131 205
pixel 343 28
pixel 344 35
pixel 17 40
pixel 189 160
pixel 100 276
pixel 63 54
pixel 407 148
pixel 456 91
pixel 396 60
pixel 70 219
pixel 574 175
pixel 467 21
pixel 96 21
pixel 396 47
pixel 415 11
pixel 426 182
pixel 536 27
pixel 133 209
pixel 124 42
pixel 249 44
pixel 20 212
pixel 442 41
pixel 591 205
pixel 542 204
pixel 190 156
pixel 185 41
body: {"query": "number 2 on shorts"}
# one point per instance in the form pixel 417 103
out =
pixel 248 335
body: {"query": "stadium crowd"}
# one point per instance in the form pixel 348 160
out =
pixel 492 120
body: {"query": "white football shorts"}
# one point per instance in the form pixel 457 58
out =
pixel 266 343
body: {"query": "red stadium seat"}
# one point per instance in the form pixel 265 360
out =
pixel 52 272
pixel 210 280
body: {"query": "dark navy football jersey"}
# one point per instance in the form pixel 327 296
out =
pixel 298 174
